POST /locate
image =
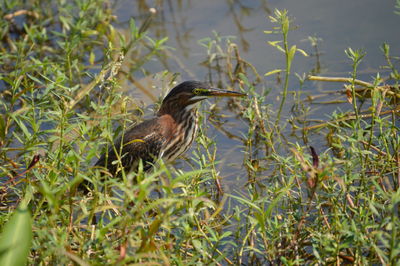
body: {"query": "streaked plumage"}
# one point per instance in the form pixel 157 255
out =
pixel 166 136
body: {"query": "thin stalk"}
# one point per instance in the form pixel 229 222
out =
pixel 287 73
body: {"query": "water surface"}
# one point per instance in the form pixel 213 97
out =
pixel 363 24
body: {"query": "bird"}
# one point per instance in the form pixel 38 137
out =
pixel 166 136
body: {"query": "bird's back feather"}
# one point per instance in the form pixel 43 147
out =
pixel 142 141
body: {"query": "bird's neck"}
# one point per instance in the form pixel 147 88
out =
pixel 181 135
pixel 180 115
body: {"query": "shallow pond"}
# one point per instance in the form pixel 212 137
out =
pixel 364 24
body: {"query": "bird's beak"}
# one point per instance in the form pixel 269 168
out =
pixel 224 93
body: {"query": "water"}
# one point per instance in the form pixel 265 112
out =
pixel 341 24
pixel 364 24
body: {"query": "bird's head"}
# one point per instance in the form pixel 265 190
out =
pixel 186 95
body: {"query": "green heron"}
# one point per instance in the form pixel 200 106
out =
pixel 165 136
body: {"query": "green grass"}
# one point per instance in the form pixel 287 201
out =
pixel 61 103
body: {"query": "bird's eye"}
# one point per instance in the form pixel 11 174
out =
pixel 199 91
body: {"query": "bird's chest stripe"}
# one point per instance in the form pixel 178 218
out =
pixel 182 139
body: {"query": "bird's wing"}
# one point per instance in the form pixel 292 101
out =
pixel 143 141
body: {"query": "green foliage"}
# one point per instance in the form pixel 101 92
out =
pixel 397 7
pixel 281 18
pixel 62 103
pixel 16 238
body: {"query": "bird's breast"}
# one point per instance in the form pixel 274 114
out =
pixel 181 137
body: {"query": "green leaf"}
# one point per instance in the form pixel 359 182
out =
pixel 276 45
pixel 246 201
pixel 134 29
pixel 22 126
pixel 16 239
pixel 244 79
pixel 302 52
pixel 292 52
pixel 274 202
pixel 198 245
pixel 273 72
pixel 92 58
